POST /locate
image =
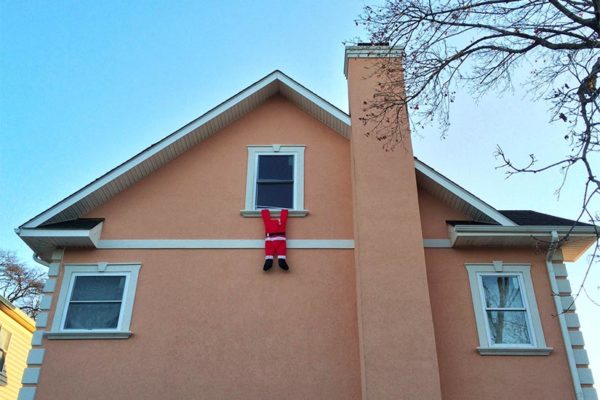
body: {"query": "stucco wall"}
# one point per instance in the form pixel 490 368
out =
pixel 199 195
pixel 434 215
pixel 464 373
pixel 211 324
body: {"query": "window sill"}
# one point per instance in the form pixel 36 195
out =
pixel 500 351
pixel 274 213
pixel 87 335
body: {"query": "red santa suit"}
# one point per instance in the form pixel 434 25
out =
pixel 274 234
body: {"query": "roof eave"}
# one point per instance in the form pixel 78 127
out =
pixel 44 241
pixel 71 207
pixel 575 241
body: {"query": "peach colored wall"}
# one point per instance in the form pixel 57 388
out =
pixel 466 375
pixel 200 194
pixel 398 355
pixel 211 324
pixel 434 215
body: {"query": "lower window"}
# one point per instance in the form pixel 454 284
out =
pixel 96 298
pixel 505 309
pixel 95 301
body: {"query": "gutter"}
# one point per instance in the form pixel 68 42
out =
pixel 525 230
pixel 561 317
pixel 38 260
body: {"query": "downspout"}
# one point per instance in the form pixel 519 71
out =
pixel 561 317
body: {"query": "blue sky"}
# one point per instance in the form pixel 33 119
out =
pixel 86 85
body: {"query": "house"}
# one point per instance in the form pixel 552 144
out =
pixel 16 330
pixel 402 284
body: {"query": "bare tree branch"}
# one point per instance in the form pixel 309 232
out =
pixel 479 45
pixel 20 284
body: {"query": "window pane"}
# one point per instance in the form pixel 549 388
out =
pixel 98 288
pixel 276 167
pixel 276 195
pixel 502 291
pixel 508 327
pixel 93 315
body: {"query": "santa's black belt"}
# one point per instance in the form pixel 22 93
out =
pixel 275 234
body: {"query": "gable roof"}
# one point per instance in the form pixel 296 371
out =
pixel 458 197
pixel 534 218
pixel 62 225
pixel 165 150
pixel 526 218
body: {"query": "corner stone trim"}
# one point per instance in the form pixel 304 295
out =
pixel 575 335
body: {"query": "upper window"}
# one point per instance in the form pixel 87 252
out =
pixel 505 309
pixel 4 342
pixel 96 298
pixel 275 179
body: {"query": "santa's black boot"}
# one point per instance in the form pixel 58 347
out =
pixel 283 265
pixel 268 264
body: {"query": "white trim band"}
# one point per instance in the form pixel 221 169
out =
pixel 222 244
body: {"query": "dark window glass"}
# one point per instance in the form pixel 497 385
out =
pixel 95 302
pixel 93 315
pixel 98 288
pixel 278 168
pixel 275 183
pixel 276 195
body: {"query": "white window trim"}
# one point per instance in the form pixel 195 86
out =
pixel 276 149
pixel 3 377
pixel 71 271
pixel 486 347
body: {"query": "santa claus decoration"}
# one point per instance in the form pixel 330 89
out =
pixel 275 242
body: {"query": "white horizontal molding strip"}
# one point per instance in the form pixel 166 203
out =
pixel 437 243
pixel 222 244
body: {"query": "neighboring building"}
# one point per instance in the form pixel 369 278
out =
pixel 403 285
pixel 16 330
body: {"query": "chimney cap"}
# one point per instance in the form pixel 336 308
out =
pixel 371 50
pixel 364 44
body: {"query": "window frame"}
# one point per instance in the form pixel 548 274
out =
pixel 486 345
pixel 3 377
pixel 254 152
pixel 71 272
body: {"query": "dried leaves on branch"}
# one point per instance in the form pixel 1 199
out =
pixel 20 284
pixel 479 45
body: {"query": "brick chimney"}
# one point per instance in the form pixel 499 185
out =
pixel 397 343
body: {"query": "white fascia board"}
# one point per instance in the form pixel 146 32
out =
pixel 325 105
pixel 54 233
pixel 177 135
pixel 463 194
